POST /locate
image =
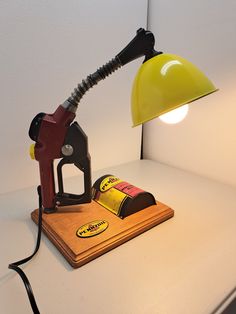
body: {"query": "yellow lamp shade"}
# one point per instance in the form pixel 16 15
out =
pixel 164 83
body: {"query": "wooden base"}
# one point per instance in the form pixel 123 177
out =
pixel 61 228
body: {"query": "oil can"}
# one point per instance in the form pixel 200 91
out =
pixel 120 197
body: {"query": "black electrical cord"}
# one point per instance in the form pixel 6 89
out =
pixel 15 265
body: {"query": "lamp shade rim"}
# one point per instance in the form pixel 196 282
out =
pixel 174 107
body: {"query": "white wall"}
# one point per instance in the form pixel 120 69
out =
pixel 47 47
pixel 202 31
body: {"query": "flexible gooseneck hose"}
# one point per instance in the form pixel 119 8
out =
pixel 93 79
pixel 141 45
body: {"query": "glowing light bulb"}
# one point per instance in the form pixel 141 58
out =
pixel 175 116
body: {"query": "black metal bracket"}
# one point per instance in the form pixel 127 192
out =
pixel 141 45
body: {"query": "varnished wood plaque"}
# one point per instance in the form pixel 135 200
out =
pixel 61 228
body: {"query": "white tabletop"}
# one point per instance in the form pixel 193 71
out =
pixel 185 265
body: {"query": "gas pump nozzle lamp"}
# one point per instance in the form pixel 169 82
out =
pixel 163 82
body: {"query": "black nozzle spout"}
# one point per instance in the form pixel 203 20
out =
pixel 141 45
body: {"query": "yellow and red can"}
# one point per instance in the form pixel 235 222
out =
pixel 120 197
